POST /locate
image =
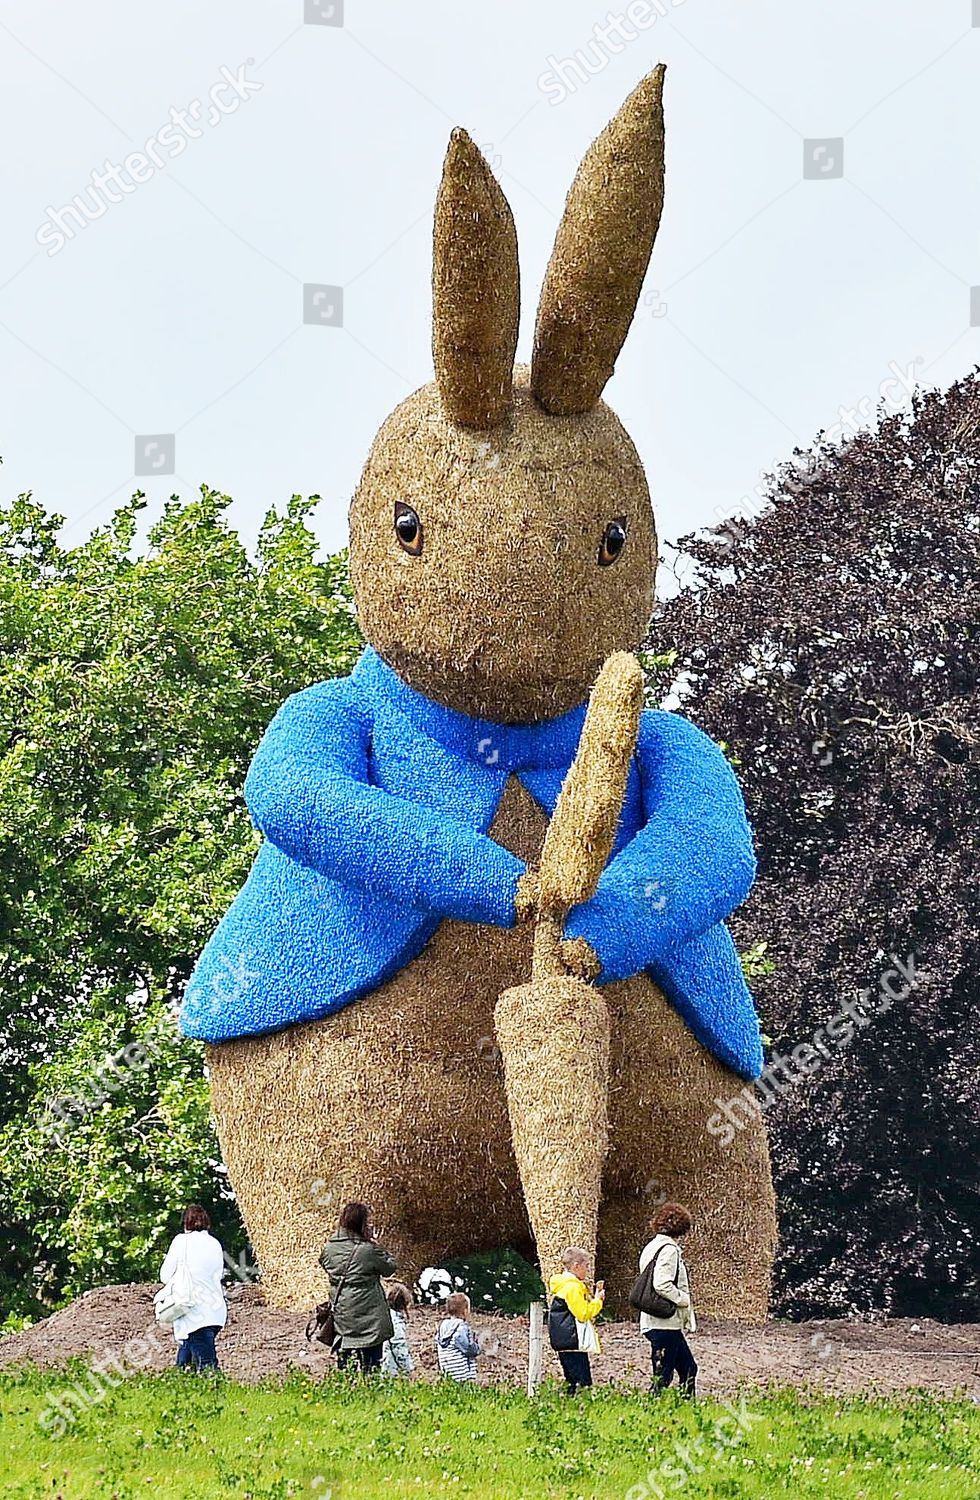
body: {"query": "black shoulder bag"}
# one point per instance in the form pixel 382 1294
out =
pixel 645 1299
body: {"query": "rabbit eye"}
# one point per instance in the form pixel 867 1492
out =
pixel 408 529
pixel 613 542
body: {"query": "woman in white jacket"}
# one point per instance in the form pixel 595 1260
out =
pixel 197 1329
pixel 669 1349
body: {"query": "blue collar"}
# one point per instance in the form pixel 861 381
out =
pixel 500 747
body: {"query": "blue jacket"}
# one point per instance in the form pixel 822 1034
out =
pixel 375 804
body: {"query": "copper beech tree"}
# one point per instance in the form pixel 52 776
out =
pixel 831 639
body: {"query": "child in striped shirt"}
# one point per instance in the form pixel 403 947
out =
pixel 457 1346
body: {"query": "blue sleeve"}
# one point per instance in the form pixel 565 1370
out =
pixel 688 867
pixel 309 793
pixel 466 1342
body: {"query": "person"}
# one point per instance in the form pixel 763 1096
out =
pixel 571 1317
pixel 396 1357
pixel 670 1352
pixel 196 1330
pixel 457 1346
pixel 355 1261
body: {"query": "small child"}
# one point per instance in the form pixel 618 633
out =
pixel 571 1318
pixel 456 1343
pixel 396 1357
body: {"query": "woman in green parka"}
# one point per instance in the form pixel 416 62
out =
pixel 355 1263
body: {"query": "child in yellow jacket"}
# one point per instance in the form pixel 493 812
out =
pixel 571 1317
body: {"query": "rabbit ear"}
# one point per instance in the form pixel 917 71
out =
pixel 601 255
pixel 475 290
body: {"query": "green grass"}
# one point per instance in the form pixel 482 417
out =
pixel 173 1436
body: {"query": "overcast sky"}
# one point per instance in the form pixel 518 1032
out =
pixel 792 277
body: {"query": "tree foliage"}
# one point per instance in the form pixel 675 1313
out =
pixel 134 685
pixel 833 639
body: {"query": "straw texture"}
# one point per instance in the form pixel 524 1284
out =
pixel 475 289
pixel 554 1041
pixel 400 1100
pixel 504 614
pixel 663 1087
pixel 554 1032
pixel 583 825
pixel 601 254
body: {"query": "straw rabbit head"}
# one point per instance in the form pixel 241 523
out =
pixel 502 539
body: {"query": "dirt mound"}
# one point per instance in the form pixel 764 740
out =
pixel 260 1341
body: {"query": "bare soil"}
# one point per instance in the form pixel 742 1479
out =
pixel 260 1342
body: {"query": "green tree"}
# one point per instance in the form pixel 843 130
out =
pixel 134 685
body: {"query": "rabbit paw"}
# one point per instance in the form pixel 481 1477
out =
pixel 580 958
pixel 528 893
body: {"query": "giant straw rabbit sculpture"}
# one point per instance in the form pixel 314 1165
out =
pixel 502 546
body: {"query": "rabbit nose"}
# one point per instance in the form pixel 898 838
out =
pixel 526 578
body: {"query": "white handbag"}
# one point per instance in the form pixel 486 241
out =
pixel 178 1295
pixel 588 1341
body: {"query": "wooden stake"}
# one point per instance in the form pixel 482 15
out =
pixel 535 1346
